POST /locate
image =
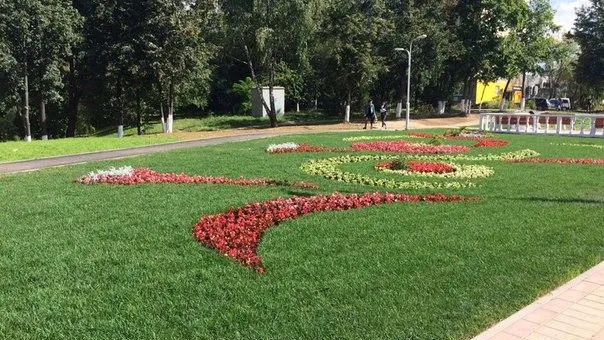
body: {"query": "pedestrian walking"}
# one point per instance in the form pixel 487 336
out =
pixel 384 113
pixel 369 115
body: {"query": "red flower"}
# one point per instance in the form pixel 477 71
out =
pixel 406 147
pixel 142 175
pixel 430 167
pixel 237 233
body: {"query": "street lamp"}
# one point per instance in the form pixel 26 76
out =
pixel 423 36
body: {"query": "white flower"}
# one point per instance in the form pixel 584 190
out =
pixel 282 146
pixel 95 176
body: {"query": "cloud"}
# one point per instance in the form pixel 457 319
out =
pixel 565 12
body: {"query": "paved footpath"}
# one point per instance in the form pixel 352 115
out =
pixel 574 311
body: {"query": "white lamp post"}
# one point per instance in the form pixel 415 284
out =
pixel 423 36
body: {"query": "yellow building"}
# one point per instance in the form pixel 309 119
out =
pixel 493 91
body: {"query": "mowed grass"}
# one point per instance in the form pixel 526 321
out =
pixel 113 262
pixel 19 150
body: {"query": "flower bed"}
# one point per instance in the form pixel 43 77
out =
pixel 595 146
pixel 481 142
pixel 328 168
pixel 406 147
pixel 237 233
pixel 132 176
pixel 293 147
pixel 598 161
pixel 430 169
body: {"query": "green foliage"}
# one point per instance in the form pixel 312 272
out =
pixel 588 34
pixel 243 90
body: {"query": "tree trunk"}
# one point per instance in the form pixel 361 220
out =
pixel 347 113
pixel 272 115
pixel 25 116
pixel 43 119
pixel 502 103
pixel 73 101
pixel 170 123
pixel 120 114
pixel 258 86
pixel 297 106
pixel 523 100
pixel 160 89
pixel 139 130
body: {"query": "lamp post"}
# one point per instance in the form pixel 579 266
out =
pixel 423 36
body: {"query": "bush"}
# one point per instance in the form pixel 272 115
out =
pixel 424 111
pixel 243 90
pixel 8 130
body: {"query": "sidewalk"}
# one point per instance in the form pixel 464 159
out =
pixel 574 311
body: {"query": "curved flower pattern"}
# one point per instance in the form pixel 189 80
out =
pixel 439 170
pixel 595 146
pixel 328 168
pixel 293 147
pixel 237 233
pixel 132 176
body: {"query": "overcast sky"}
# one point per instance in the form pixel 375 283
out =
pixel 565 12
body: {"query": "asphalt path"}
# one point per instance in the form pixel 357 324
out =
pixel 36 164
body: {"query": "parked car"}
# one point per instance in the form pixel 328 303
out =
pixel 565 103
pixel 555 104
pixel 541 104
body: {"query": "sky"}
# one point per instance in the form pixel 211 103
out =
pixel 565 12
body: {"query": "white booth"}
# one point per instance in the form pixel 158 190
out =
pixel 257 107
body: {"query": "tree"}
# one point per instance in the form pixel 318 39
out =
pixel 589 34
pixel 37 37
pixel 351 35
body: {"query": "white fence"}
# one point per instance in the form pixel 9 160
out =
pixel 583 125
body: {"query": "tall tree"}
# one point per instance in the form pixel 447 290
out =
pixel 37 38
pixel 589 34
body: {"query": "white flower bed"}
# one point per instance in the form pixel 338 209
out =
pixel 95 176
pixel 282 146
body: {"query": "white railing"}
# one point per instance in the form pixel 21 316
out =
pixel 583 125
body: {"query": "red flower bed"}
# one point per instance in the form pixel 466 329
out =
pixel 421 135
pixel 237 233
pixel 481 143
pixel 309 148
pixel 599 161
pixel 430 167
pixel 406 147
pixel 142 175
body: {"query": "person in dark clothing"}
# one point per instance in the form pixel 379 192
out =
pixel 369 115
pixel 384 113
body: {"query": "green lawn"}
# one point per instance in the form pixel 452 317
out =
pixel 115 262
pixel 106 140
pixel 19 150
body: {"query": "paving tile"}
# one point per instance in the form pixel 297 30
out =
pixel 587 310
pixel 504 336
pixel 539 336
pixel 557 305
pixel 599 320
pixel 541 316
pixel 570 329
pixel 596 278
pixel 592 304
pixel 521 328
pixel 599 291
pixel 586 325
pixel 587 287
pixel 599 336
pixel 572 295
pixel 557 334
pixel 596 298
